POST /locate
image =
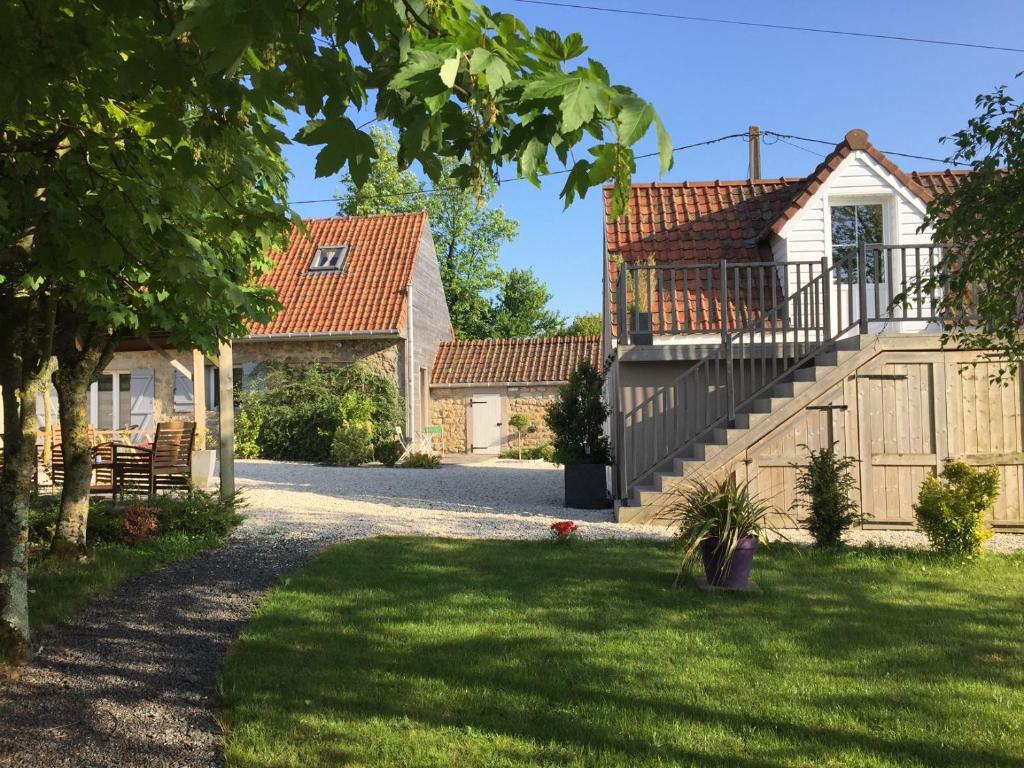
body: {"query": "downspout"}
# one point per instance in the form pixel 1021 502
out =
pixel 410 395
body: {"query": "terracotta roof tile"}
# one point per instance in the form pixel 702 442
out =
pixel 503 361
pixel 369 294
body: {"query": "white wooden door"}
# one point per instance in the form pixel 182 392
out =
pixel 486 420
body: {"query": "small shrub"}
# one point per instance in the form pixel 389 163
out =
pixel 952 507
pixel 353 438
pixel 421 460
pixel 140 523
pixel 388 454
pixel 352 444
pixel 198 513
pixel 825 485
pixel 532 453
pixel 577 419
pixel 247 428
pixel 520 422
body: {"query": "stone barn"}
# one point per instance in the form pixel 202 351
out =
pixel 478 385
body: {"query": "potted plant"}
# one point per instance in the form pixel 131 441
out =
pixel 640 285
pixel 520 422
pixel 204 458
pixel 722 523
pixel 577 420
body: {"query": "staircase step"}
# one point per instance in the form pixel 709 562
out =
pixel 790 388
pixel 748 420
pixel 806 374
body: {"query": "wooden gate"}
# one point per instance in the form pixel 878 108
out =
pixel 902 415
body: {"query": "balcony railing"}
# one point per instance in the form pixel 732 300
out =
pixel 708 299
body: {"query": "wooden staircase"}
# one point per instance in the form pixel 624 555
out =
pixel 650 499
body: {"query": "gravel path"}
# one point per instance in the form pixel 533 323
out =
pixel 130 681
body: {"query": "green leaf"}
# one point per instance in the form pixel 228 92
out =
pixel 666 155
pixel 579 103
pixel 449 71
pixel 633 119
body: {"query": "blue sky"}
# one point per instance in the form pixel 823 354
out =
pixel 710 80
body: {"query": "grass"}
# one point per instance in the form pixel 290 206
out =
pixel 58 589
pixel 419 652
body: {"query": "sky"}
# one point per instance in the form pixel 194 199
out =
pixel 709 80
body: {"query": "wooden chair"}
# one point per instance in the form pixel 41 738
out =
pixel 102 457
pixel 166 465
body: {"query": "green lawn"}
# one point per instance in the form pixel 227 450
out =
pixel 59 589
pixel 418 652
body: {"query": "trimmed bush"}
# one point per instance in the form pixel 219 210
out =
pixel 295 413
pixel 419 460
pixel 577 419
pixel 825 485
pixel 353 439
pixel 388 454
pixel 951 508
pixel 532 453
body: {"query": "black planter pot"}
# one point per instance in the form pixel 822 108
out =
pixel 734 574
pixel 585 486
pixel 643 333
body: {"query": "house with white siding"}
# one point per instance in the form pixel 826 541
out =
pixel 751 321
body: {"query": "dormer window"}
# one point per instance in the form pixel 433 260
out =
pixel 329 258
pixel 852 226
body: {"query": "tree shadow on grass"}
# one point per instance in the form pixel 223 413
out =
pixel 582 655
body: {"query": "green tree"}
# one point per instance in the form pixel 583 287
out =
pixel 520 309
pixel 122 132
pixel 980 279
pixel 468 232
pixel 587 324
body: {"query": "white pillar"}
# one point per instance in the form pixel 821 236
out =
pixel 227 421
pixel 199 397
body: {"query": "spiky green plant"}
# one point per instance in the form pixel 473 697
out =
pixel 727 511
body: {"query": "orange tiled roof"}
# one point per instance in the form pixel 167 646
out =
pixel 368 295
pixel 503 361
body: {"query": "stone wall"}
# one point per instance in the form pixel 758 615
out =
pixel 450 409
pixel 380 355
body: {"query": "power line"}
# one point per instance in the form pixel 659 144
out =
pixel 560 172
pixel 764 25
pixel 782 137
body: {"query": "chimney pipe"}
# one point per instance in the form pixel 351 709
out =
pixel 754 142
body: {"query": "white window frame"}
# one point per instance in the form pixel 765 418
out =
pixel 94 398
pixel 329 258
pixel 890 212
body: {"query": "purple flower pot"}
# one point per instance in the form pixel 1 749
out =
pixel 735 573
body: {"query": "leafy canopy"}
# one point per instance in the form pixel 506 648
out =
pixel 521 308
pixel 468 232
pixel 980 279
pixel 587 324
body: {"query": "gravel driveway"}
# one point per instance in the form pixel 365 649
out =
pixel 130 682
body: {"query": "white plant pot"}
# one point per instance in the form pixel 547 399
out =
pixel 202 467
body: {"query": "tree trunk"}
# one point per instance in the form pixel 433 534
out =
pixel 82 352
pixel 24 353
pixel 73 407
pixel 20 429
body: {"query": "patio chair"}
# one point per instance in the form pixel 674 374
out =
pixel 166 465
pixel 102 482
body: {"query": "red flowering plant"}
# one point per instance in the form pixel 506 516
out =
pixel 140 523
pixel 563 531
